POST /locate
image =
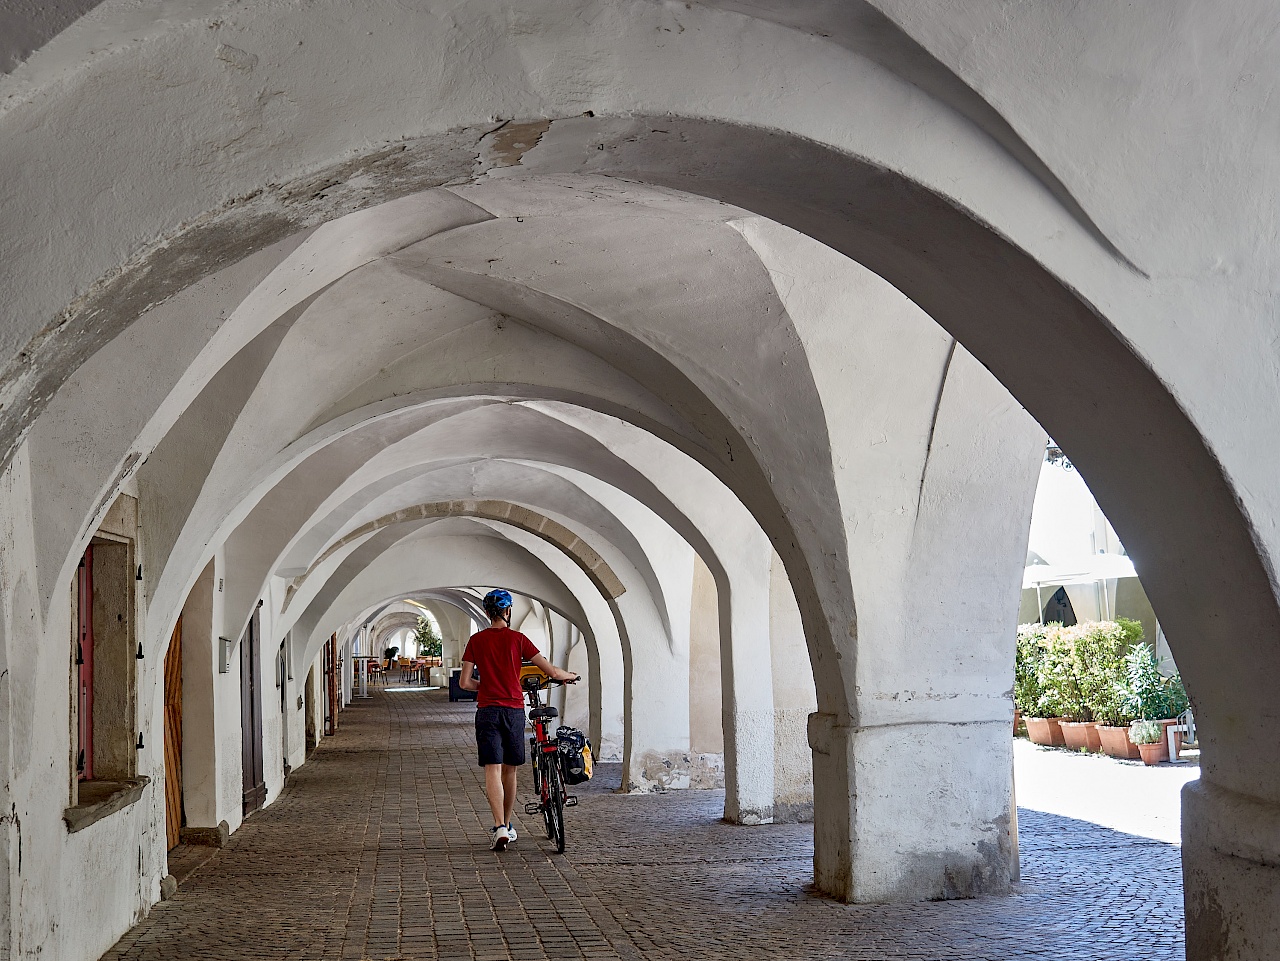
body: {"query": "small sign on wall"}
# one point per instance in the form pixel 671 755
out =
pixel 225 644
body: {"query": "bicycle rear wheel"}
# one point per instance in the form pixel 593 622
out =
pixel 557 805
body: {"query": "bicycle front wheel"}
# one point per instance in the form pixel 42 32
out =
pixel 557 805
pixel 543 783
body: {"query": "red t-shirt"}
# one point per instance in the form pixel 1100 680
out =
pixel 497 653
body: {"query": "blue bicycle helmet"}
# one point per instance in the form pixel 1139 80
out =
pixel 497 603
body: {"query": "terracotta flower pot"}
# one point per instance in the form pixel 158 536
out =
pixel 1044 730
pixel 1076 734
pixel 1017 719
pixel 1116 743
pixel 1095 739
pixel 1153 753
pixel 1177 737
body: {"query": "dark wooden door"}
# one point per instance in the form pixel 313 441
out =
pixel 309 695
pixel 84 667
pixel 282 682
pixel 173 737
pixel 255 787
pixel 331 685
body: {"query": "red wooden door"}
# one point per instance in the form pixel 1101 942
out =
pixel 84 667
pixel 173 736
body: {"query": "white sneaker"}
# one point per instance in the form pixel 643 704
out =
pixel 511 833
pixel 501 838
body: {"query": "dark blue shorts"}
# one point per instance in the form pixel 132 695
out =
pixel 500 735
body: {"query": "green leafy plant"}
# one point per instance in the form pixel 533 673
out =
pixel 430 644
pixel 1109 705
pixel 1151 695
pixel 1098 658
pixel 1063 694
pixel 1028 689
pixel 390 653
pixel 1146 732
pixel 1078 673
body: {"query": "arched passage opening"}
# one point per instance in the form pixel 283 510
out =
pixel 958 248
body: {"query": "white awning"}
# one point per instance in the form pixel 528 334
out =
pixel 1088 570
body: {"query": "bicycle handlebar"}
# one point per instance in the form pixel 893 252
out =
pixel 537 683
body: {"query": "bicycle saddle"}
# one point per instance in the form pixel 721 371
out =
pixel 543 713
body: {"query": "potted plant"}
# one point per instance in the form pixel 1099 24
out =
pixel 1034 694
pixel 389 655
pixel 1099 662
pixel 1150 740
pixel 428 639
pixel 1153 696
pixel 1113 723
pixel 1063 678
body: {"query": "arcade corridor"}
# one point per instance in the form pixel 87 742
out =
pixel 375 851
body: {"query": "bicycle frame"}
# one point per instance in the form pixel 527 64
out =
pixel 544 746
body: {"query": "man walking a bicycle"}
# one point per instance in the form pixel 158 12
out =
pixel 497 654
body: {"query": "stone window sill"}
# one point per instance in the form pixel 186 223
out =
pixel 99 799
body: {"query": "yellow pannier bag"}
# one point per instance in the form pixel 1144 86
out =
pixel 528 670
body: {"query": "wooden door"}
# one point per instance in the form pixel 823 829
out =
pixel 173 737
pixel 282 682
pixel 331 685
pixel 255 787
pixel 309 710
pixel 84 667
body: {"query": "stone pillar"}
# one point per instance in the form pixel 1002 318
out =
pixel 655 755
pixel 747 673
pixel 347 672
pixel 911 783
pixel 579 711
pixel 1231 874
pixel 794 699
pixel 607 688
pixel 910 812
pixel 834 833
pixel 199 704
pixel 706 726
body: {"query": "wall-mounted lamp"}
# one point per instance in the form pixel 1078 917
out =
pixel 224 654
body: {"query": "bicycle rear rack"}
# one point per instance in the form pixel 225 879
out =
pixel 535 807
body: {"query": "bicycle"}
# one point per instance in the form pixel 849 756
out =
pixel 544 756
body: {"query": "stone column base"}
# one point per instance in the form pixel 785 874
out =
pixel 792 767
pixel 748 761
pixel 1231 874
pixel 911 812
pixel 654 772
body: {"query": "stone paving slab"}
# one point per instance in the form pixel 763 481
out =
pixel 377 850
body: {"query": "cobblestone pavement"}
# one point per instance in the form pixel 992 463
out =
pixel 378 850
